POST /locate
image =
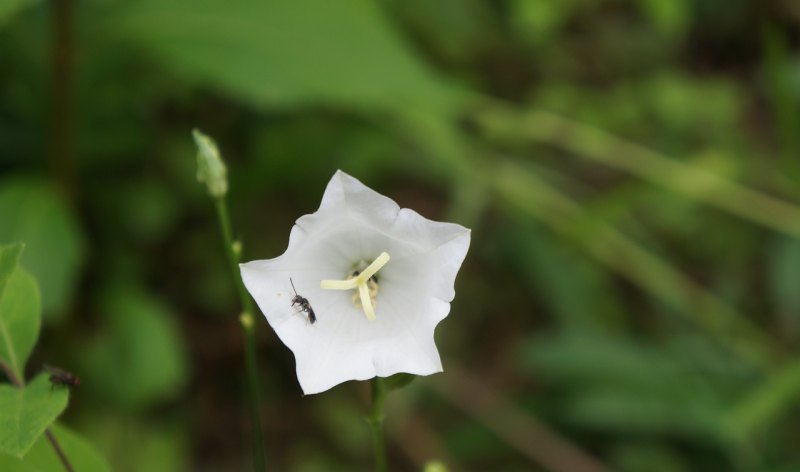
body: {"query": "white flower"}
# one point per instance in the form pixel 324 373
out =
pixel 378 279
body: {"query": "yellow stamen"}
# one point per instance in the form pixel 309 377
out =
pixel 360 282
pixel 373 268
pixel 340 284
pixel 366 302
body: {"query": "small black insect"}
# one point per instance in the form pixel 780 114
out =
pixel 304 304
pixel 62 378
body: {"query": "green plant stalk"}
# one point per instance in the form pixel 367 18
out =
pixel 766 403
pixel 246 320
pixel 376 418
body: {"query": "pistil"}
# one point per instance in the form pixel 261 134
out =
pixel 360 282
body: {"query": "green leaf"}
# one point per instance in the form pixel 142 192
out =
pixel 141 357
pixel 31 211
pixel 42 457
pixel 9 259
pixel 26 412
pixel 286 52
pixel 20 319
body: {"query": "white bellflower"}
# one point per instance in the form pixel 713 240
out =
pixel 378 279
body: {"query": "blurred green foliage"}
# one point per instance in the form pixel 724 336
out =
pixel 31 211
pixel 629 170
pixel 140 354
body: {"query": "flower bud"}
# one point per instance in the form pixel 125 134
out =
pixel 210 167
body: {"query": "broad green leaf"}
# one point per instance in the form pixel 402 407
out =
pixel 81 455
pixel 26 412
pixel 20 319
pixel 285 52
pixel 31 211
pixel 9 258
pixel 141 358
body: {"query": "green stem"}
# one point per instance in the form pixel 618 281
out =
pixel 233 254
pixel 376 418
pixel 766 403
pixel 246 319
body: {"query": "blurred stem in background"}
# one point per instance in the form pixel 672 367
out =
pixel 506 124
pixel 765 403
pixel 61 158
pixel 778 86
pixel 211 170
pixel 376 418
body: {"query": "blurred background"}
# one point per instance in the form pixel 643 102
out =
pixel 630 171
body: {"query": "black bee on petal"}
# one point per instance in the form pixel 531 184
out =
pixel 304 304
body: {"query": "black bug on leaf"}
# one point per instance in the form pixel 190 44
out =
pixel 61 378
pixel 303 303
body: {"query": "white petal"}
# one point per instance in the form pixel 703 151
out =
pixel 346 194
pixel 355 223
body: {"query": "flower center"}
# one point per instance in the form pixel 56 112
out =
pixel 365 282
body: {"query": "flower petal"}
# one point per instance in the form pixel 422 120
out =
pixel 356 224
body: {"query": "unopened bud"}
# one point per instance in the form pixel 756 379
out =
pixel 210 167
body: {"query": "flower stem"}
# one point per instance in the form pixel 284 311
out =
pixel 233 254
pixel 246 319
pixel 376 418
